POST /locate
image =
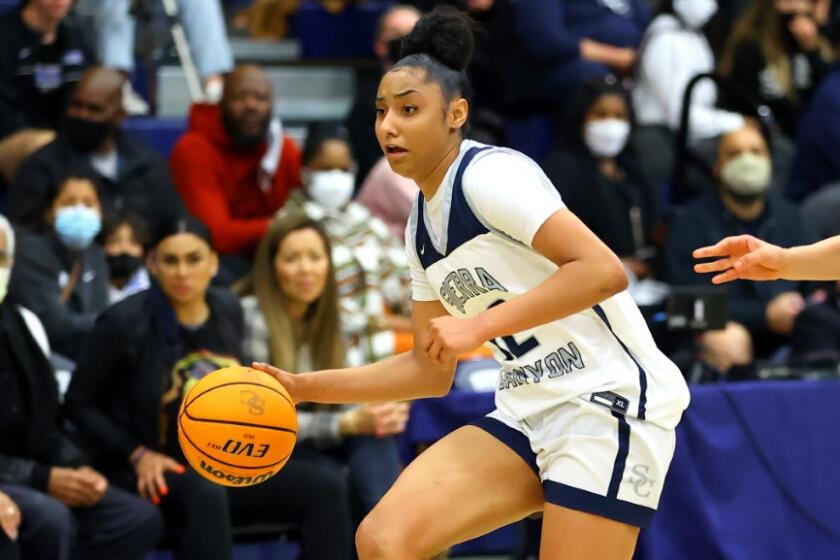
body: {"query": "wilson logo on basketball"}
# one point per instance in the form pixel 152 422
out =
pixel 232 479
pixel 236 447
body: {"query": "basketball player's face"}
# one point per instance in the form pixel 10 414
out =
pixel 413 123
pixel 183 265
pixel 301 265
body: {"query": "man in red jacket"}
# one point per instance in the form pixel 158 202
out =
pixel 234 167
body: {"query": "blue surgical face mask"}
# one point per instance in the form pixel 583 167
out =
pixel 76 226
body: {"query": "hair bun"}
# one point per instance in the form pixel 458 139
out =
pixel 445 34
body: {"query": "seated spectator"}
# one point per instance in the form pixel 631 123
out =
pixel 561 43
pixel 292 319
pixel 128 387
pixel 67 508
pixel 204 27
pixel 235 167
pixel 816 164
pixel 370 263
pixel 388 196
pixel 130 175
pixel 674 51
pixel 394 24
pixel 61 273
pixel 777 56
pixel 741 205
pixel 816 333
pixel 125 239
pixel 599 176
pixel 42 55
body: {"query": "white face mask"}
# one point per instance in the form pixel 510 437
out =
pixel 331 189
pixel 606 137
pixel 5 274
pixel 747 174
pixel 695 13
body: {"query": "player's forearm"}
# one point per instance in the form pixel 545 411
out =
pixel 575 286
pixel 401 377
pixel 818 261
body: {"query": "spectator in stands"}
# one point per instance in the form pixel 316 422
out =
pixel 130 176
pixel 42 56
pixel 741 205
pixel 598 174
pixel 777 56
pixel 292 319
pixel 561 43
pixel 370 263
pixel 388 196
pixel 394 24
pixel 61 273
pixel 125 239
pixel 204 27
pixel 818 143
pixel 235 167
pixel 66 506
pixel 674 50
pixel 128 387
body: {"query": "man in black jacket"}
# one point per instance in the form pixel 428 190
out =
pixel 65 506
pixel 42 55
pixel 132 177
pixel 741 205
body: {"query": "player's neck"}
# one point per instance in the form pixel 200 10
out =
pixel 431 183
pixel 192 313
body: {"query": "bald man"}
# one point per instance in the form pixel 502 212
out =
pixel 234 167
pixel 741 205
pixel 131 177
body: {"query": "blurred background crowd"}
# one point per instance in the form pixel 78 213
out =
pixel 189 184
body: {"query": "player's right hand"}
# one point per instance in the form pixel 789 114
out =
pixel 284 377
pixel 744 257
pixel 149 469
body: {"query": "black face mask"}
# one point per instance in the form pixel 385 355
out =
pixel 122 266
pixel 86 136
pixel 394 47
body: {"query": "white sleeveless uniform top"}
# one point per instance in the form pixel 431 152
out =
pixel 470 248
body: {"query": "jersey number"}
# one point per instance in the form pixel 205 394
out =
pixel 508 346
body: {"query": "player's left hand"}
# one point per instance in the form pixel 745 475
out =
pixel 447 337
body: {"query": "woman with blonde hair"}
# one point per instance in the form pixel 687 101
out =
pixel 777 54
pixel 292 318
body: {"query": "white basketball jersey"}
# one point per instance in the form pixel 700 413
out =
pixel 470 248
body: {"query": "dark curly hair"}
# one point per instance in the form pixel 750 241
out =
pixel 441 44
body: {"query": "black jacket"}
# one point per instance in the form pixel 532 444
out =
pixel 115 396
pixel 816 333
pixel 622 214
pixel 143 186
pixel 36 79
pixel 705 222
pixel 31 442
pixel 42 269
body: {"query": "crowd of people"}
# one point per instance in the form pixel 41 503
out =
pixel 135 273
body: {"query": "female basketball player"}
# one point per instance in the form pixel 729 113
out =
pixel 586 403
pixel 748 258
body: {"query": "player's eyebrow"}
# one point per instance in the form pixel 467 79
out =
pixel 400 94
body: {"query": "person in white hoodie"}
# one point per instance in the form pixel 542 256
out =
pixel 674 50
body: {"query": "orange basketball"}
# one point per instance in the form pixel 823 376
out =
pixel 237 426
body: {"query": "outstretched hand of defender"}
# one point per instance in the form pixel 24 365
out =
pixel 743 257
pixel 447 337
pixel 284 377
